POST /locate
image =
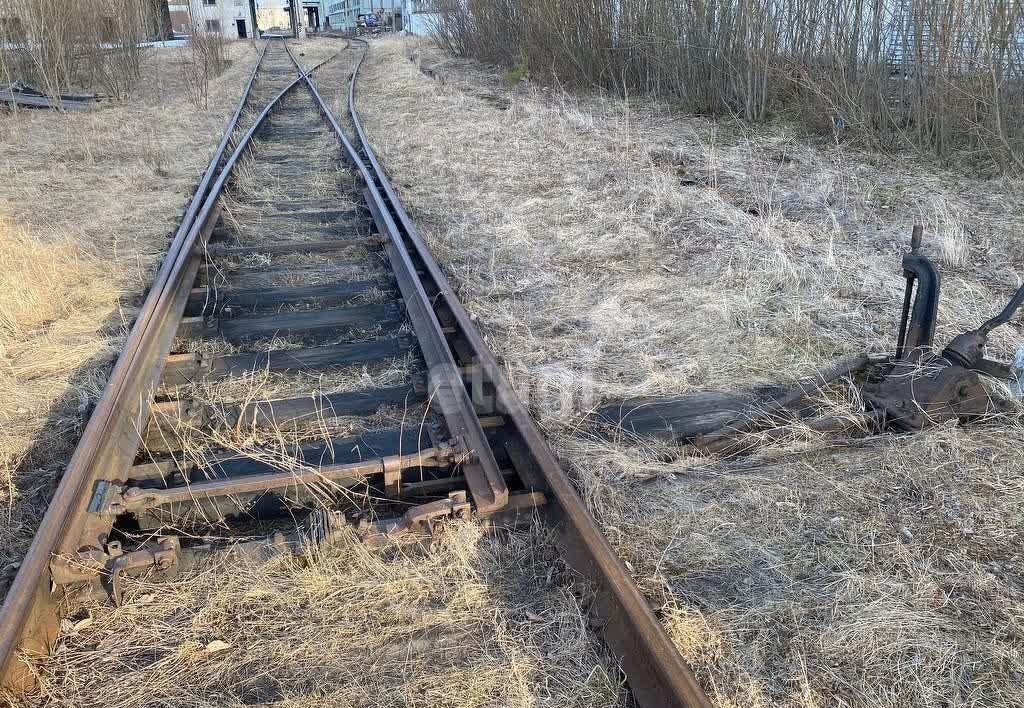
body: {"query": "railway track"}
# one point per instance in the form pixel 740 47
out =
pixel 301 366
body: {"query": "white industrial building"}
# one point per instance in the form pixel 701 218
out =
pixel 413 16
pixel 237 19
pixel 422 16
pixel 231 18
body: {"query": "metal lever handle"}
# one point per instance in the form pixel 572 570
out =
pixel 968 349
pixel 1003 317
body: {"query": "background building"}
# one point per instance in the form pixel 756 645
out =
pixel 347 15
pixel 274 16
pixel 313 17
pixel 421 16
pixel 233 19
pixel 238 19
pixel 181 18
pixel 343 13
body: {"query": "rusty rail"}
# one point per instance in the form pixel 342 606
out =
pixel 657 674
pixel 29 617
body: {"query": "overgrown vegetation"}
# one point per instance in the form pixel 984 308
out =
pixel 57 45
pixel 206 59
pixel 945 77
pixel 470 621
pixel 646 253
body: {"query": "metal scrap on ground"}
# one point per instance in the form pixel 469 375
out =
pixel 18 94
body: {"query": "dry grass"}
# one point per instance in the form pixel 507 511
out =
pixel 611 249
pixel 86 204
pixel 258 386
pixel 261 384
pixel 471 621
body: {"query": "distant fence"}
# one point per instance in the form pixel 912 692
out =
pixel 938 75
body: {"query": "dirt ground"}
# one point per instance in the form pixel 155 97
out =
pixel 612 248
pixel 472 620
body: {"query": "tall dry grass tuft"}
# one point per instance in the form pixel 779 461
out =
pixel 934 75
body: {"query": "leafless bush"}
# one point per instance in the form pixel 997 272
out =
pixel 57 44
pixel 935 75
pixel 213 50
pixel 206 59
pixel 43 49
pixel 111 48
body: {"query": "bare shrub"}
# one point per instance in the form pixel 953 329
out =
pixel 212 48
pixel 197 81
pixel 111 50
pixel 59 44
pixel 45 50
pixel 206 59
pixel 939 76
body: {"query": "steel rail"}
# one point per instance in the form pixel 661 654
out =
pixel 656 673
pixel 29 619
pixel 446 388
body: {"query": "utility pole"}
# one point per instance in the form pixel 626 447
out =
pixel 255 23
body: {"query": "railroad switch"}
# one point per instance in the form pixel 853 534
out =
pixel 109 565
pixel 160 555
pixel 905 392
pixel 923 387
pixel 106 564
